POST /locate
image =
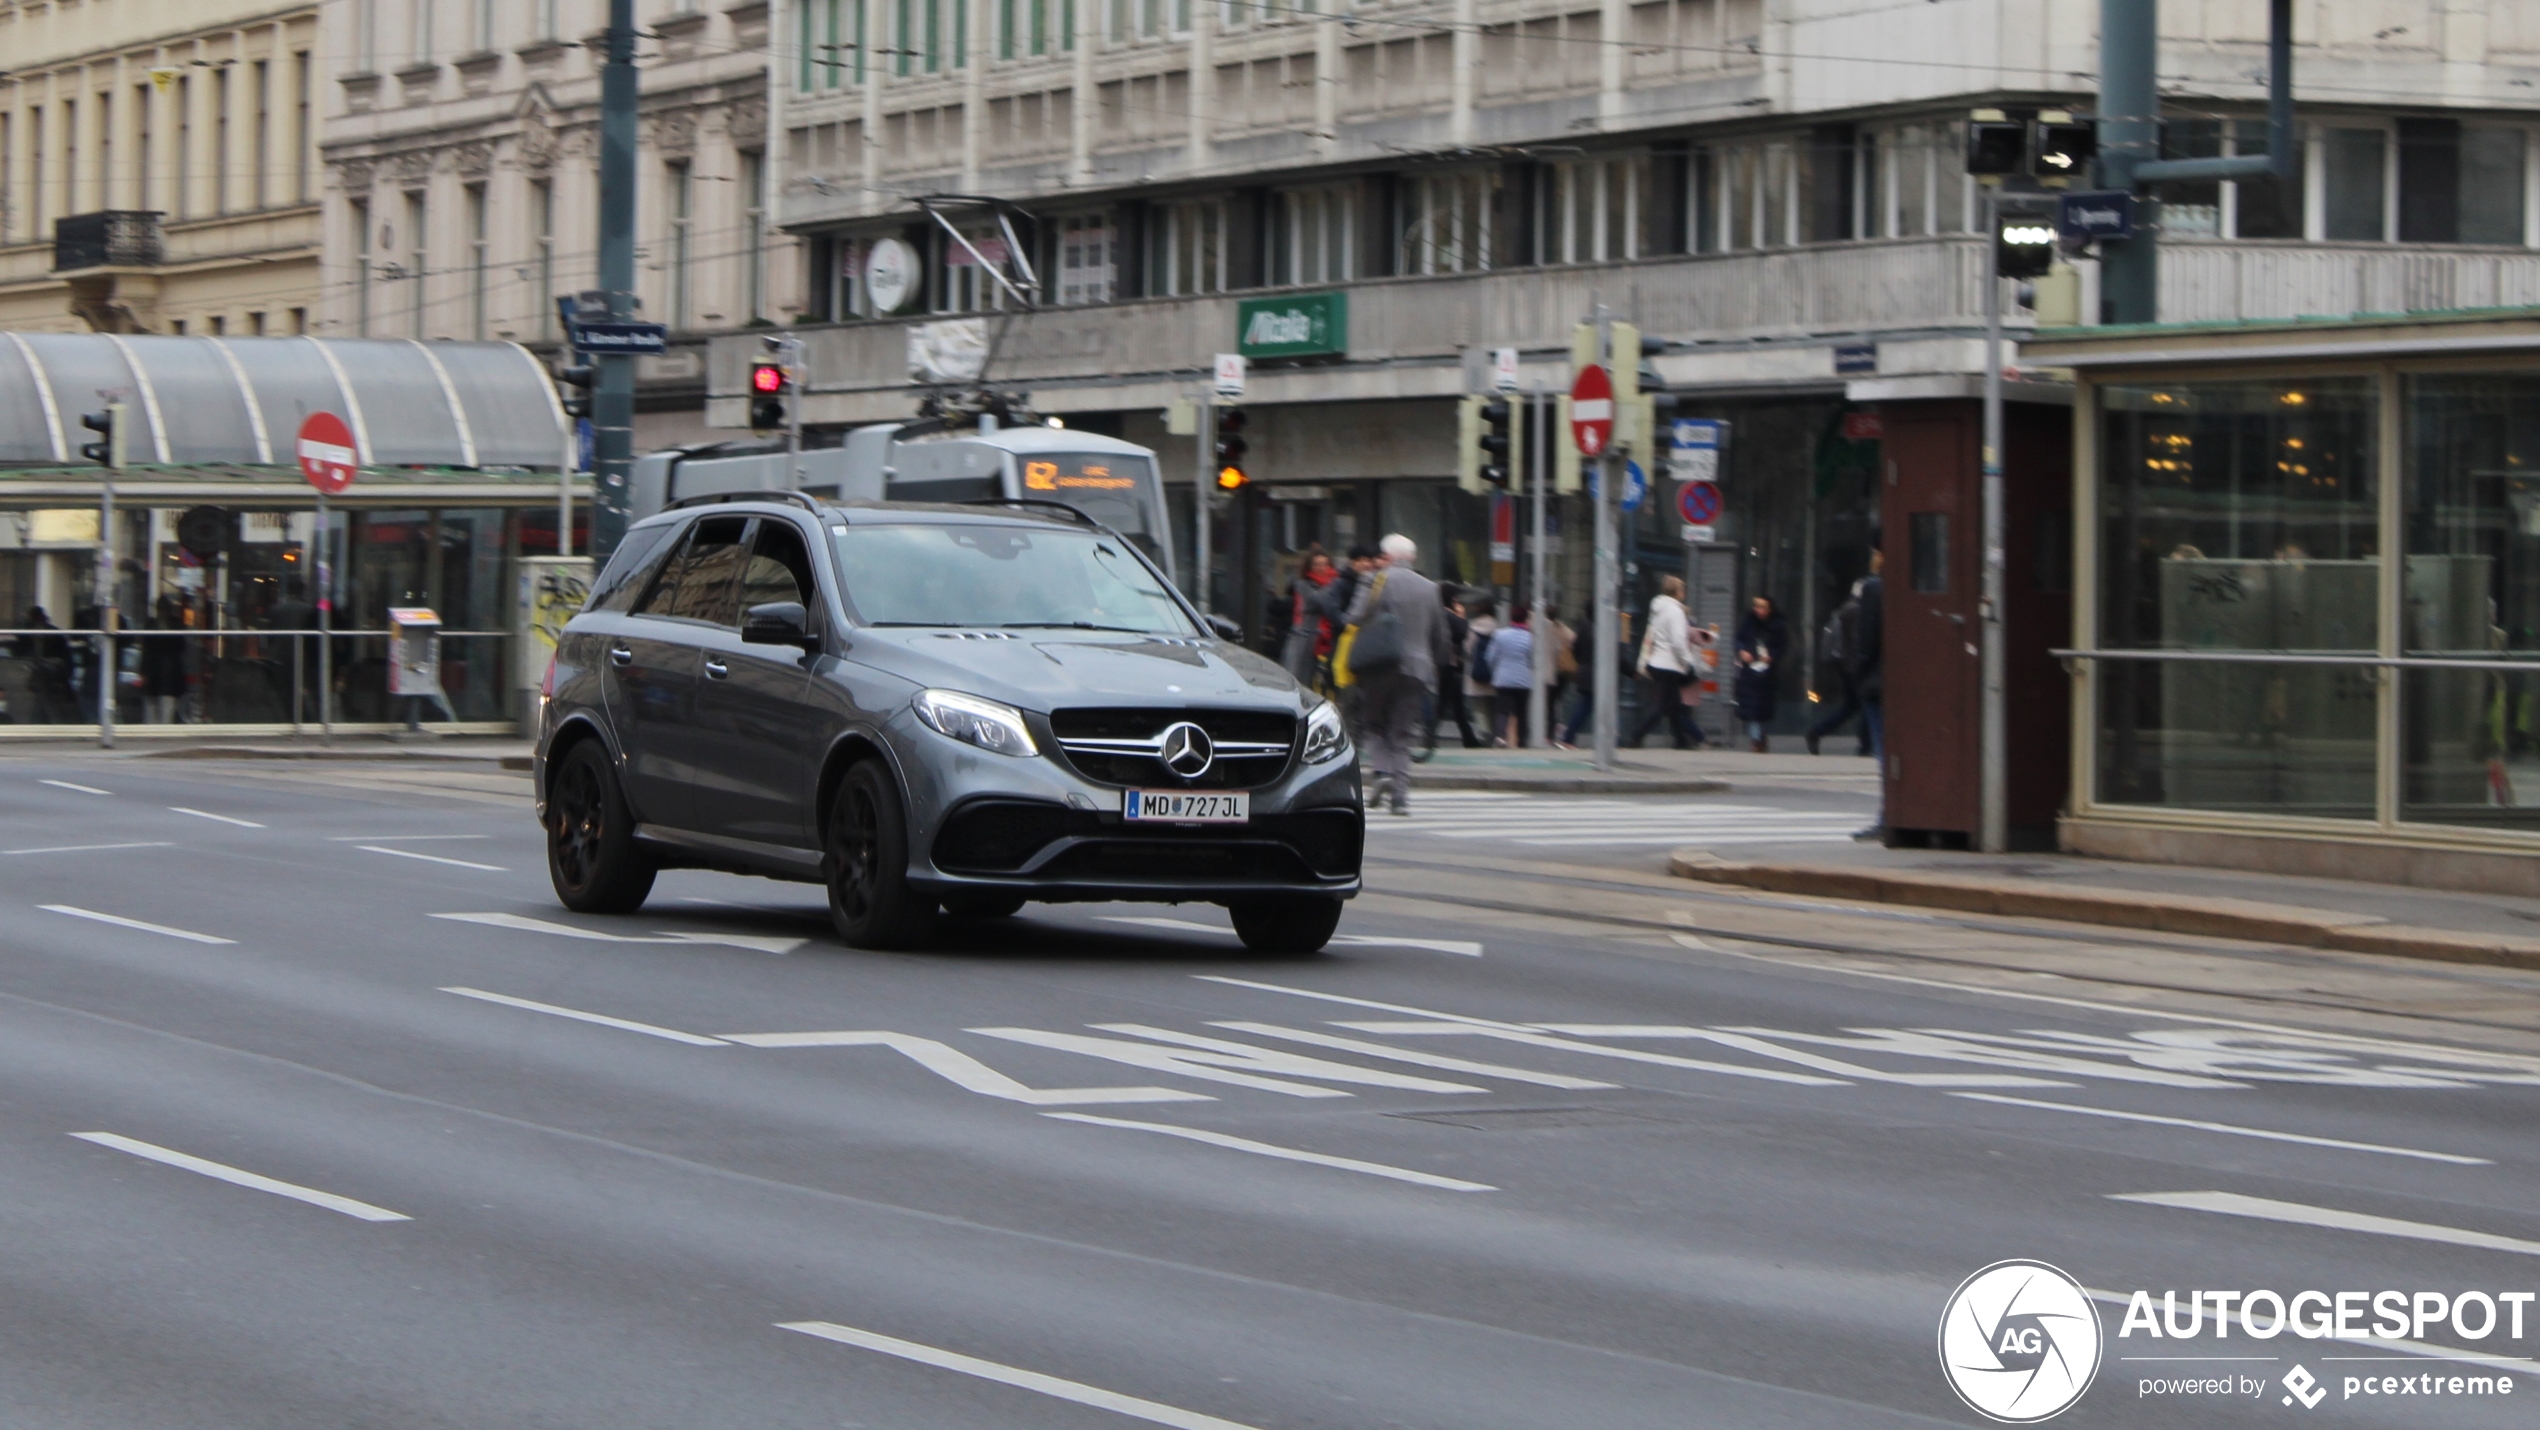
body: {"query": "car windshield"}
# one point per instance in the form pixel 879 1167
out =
pixel 1003 577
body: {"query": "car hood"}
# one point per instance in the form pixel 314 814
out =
pixel 1040 670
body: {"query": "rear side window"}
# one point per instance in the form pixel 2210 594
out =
pixel 702 582
pixel 638 555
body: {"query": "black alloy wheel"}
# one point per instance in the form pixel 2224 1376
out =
pixel 1295 924
pixel 591 855
pixel 870 898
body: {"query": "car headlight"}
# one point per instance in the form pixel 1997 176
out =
pixel 1325 739
pixel 973 721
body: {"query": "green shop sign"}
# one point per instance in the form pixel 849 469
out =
pixel 1307 325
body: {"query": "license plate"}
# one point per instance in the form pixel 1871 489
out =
pixel 1166 806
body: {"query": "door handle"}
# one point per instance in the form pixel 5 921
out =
pixel 621 655
pixel 716 669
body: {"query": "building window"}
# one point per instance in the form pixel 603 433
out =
pixel 754 234
pixel 256 324
pixel 966 286
pixel 843 284
pixel 1086 259
pixel 421 40
pixel 303 138
pixel 542 231
pixel 361 267
pixel 683 198
pixel 2270 207
pixel 366 36
pixel 2459 184
pixel 1590 210
pixel 1186 248
pixel 417 252
pixel 2355 200
pixel 105 148
pixel 262 77
pixel 184 165
pixel 1447 222
pixel 222 155
pixel 833 43
pixel 35 171
pixel 482 30
pixel 141 190
pixel 1313 234
pixel 8 176
pixel 299 322
pixel 548 20
pixel 70 156
pixel 477 266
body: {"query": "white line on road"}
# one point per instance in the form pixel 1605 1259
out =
pixel 966 1072
pixel 398 838
pixel 1032 1380
pixel 577 1015
pixel 121 922
pixel 1357 1002
pixel 1285 1154
pixel 83 789
pixel 756 943
pixel 90 848
pixel 1424 1060
pixel 432 858
pixel 359 1211
pixel 2269 1209
pixel 207 814
pixel 1457 946
pixel 2231 1129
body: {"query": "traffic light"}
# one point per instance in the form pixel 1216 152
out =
pixel 1997 144
pixel 2065 146
pixel 1498 442
pixel 768 386
pixel 2023 246
pixel 108 450
pixel 1231 447
pixel 1638 389
pixel 573 386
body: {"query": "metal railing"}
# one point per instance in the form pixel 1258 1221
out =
pixel 2531 665
pixel 116 237
pixel 269 679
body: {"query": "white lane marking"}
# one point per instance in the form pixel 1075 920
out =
pixel 83 789
pixel 1285 1154
pixel 964 1071
pixel 1150 1411
pixel 395 838
pixel 2521 1364
pixel 2269 1209
pixel 1355 940
pixel 91 848
pixel 1571 1045
pixel 1745 1040
pixel 577 1015
pixel 207 814
pixel 431 858
pixel 2232 1129
pixel 756 943
pixel 121 922
pixel 359 1211
pixel 1426 1060
pixel 1214 1060
pixel 1356 1002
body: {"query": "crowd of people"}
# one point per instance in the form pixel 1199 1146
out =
pixel 1403 655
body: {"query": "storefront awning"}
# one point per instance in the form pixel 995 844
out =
pixel 203 401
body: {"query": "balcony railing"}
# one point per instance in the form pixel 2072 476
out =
pixel 120 238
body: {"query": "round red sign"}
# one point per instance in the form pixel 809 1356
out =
pixel 327 457
pixel 1592 411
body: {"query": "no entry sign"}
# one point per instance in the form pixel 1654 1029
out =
pixel 1592 411
pixel 327 458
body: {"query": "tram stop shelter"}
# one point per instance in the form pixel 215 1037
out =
pixel 219 559
pixel 2306 632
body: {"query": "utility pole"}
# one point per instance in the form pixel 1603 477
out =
pixel 1203 481
pixel 1993 835
pixel 117 453
pixel 1609 481
pixel 613 395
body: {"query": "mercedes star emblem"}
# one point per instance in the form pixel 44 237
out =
pixel 1186 751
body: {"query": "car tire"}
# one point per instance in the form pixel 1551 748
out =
pixel 1298 925
pixel 865 859
pixel 983 906
pixel 592 858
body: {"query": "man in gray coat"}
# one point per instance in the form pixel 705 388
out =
pixel 1393 695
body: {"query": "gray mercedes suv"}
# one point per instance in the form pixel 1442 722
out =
pixel 955 708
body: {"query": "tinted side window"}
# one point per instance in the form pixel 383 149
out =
pixel 635 560
pixel 709 572
pixel 780 567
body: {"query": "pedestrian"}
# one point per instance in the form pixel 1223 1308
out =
pixel 1394 662
pixel 1869 677
pixel 1309 640
pixel 1511 653
pixel 1481 622
pixel 1337 598
pixel 163 664
pixel 1834 647
pixel 1667 663
pixel 1763 637
pixel 1575 667
pixel 1450 697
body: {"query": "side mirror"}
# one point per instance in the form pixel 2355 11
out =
pixel 776 623
pixel 1226 630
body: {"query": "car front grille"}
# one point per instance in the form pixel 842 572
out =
pixel 1124 746
pixel 989 837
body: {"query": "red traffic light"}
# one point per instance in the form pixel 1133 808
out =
pixel 767 377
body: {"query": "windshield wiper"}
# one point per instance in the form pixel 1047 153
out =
pixel 1075 626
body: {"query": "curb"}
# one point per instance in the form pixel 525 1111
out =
pixel 2249 919
pixel 339 752
pixel 1566 784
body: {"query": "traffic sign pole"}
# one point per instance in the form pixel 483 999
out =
pixel 1608 686
pixel 1993 825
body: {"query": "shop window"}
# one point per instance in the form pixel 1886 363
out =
pixel 1928 547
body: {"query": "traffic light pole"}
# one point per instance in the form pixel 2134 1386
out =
pixel 1203 477
pixel 613 396
pixel 106 672
pixel 1609 481
pixel 1538 691
pixel 1993 777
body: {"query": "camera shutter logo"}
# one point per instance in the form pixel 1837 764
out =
pixel 2019 1341
pixel 1187 751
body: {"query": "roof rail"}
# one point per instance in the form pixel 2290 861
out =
pixel 1036 502
pixel 714 498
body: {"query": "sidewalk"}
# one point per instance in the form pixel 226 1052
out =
pixel 509 753
pixel 1651 771
pixel 2388 919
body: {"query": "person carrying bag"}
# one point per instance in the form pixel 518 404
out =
pixel 1374 645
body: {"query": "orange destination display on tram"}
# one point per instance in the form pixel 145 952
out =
pixel 1053 474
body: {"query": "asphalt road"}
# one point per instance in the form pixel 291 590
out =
pixel 319 1112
